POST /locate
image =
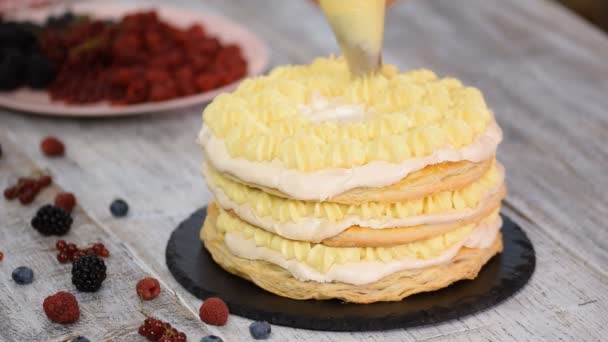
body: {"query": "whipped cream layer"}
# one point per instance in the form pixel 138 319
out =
pixel 318 229
pixel 363 272
pixel 323 184
pixel 336 110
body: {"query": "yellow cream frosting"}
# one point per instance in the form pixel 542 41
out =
pixel 410 114
pixel 322 258
pixel 289 210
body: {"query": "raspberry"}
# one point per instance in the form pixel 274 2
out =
pixel 207 81
pixel 259 330
pixel 1 256
pixel 52 220
pixel 52 147
pixel 214 311
pixel 148 288
pixel 65 201
pixel 62 307
pixel 88 273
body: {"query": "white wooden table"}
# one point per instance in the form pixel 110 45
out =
pixel 543 71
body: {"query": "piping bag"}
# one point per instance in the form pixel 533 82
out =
pixel 359 28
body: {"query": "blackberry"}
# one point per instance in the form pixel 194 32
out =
pixel 52 220
pixel 211 338
pixel 11 69
pixel 88 272
pixel 39 71
pixel 81 339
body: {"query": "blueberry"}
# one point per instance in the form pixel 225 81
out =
pixel 80 339
pixel 119 208
pixel 211 338
pixel 260 330
pixel 23 275
pixel 39 71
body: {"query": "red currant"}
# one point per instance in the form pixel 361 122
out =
pixel 71 248
pixel 63 257
pixel 61 245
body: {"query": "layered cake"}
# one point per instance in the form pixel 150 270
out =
pixel 362 189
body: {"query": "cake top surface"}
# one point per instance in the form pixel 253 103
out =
pixel 316 116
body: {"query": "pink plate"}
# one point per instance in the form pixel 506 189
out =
pixel 227 31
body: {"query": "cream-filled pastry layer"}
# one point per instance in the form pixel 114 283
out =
pixel 307 221
pixel 323 184
pixel 325 264
pixel 322 258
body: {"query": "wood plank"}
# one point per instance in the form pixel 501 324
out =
pixel 113 313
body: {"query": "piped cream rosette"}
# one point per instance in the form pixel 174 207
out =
pixel 346 184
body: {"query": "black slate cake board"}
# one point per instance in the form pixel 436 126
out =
pixel 501 277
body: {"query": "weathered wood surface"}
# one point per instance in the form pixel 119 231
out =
pixel 543 71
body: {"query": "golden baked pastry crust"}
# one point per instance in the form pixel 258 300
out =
pixel 465 265
pixel 447 176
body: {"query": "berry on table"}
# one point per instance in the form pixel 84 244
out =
pixel 260 330
pixel 65 201
pixel 214 311
pixel 27 196
pixel 212 338
pixel 11 192
pixel 61 244
pixel 44 181
pixel 88 273
pixel 156 330
pixel 1 256
pixel 52 147
pixel 52 220
pixel 81 339
pixel 119 208
pixel 62 307
pixel 148 288
pixel 27 188
pixel 23 275
pixel 70 252
pixel 78 254
pixel 71 248
pixel 104 253
pixel 63 257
